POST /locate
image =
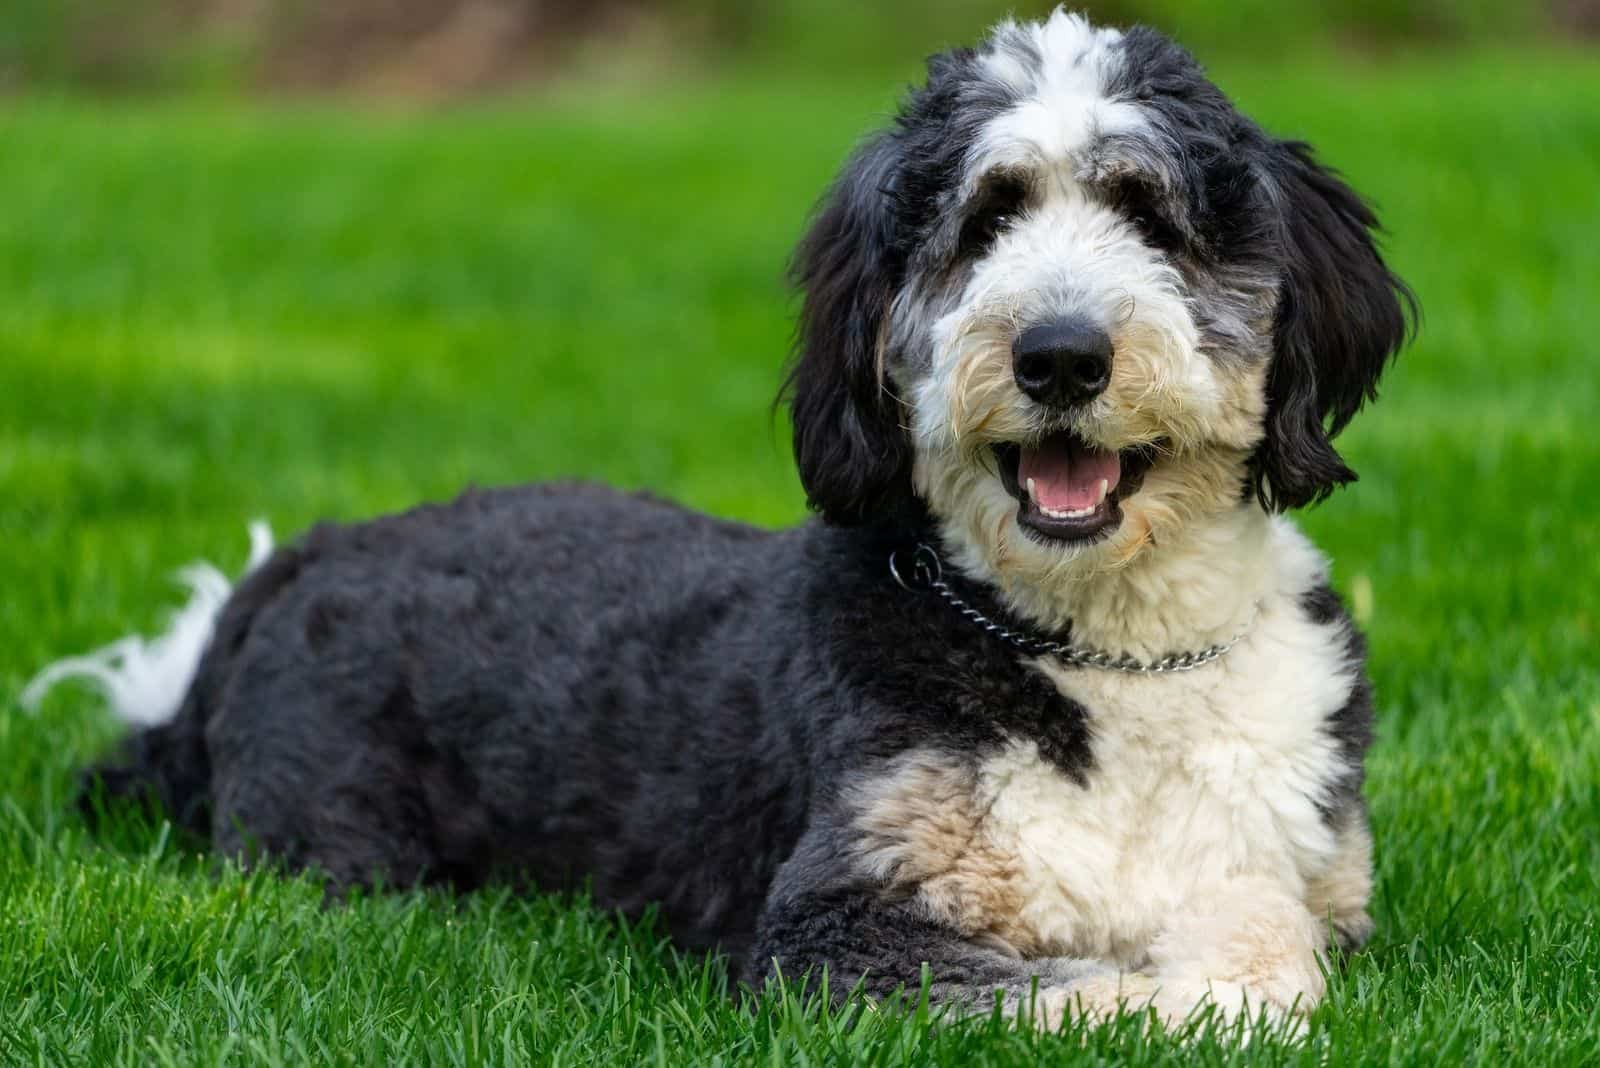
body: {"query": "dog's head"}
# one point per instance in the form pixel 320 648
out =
pixel 1072 299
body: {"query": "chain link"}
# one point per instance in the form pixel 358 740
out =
pixel 929 572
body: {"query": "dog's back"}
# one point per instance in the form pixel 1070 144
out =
pixel 505 684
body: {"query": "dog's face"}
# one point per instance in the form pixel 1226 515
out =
pixel 1073 300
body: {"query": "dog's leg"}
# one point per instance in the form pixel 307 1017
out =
pixel 1247 947
pixel 859 938
pixel 350 787
pixel 1338 896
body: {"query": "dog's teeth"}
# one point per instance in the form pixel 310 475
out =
pixel 1030 488
pixel 1105 487
pixel 1069 513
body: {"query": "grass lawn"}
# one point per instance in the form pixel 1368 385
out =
pixel 215 312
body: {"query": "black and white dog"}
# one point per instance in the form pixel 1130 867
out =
pixel 1050 694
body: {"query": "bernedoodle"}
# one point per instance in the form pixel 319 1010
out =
pixel 1051 698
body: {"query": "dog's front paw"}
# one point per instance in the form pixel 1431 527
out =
pixel 1096 999
pixel 1249 950
pixel 1173 1003
pixel 1178 1001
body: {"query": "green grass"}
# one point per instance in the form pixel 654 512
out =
pixel 214 313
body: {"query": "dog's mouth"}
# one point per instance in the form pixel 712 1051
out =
pixel 1069 490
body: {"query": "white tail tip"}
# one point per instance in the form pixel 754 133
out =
pixel 144 679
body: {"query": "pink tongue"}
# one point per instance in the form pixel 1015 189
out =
pixel 1066 473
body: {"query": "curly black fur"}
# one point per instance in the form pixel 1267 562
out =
pixel 484 687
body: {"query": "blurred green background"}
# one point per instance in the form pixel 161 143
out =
pixel 453 47
pixel 305 260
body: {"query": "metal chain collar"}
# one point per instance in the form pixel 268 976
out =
pixel 929 573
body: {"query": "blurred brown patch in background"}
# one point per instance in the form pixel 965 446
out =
pixel 433 49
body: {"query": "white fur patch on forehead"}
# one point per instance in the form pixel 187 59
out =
pixel 1058 69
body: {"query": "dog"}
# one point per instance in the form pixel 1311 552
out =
pixel 1051 700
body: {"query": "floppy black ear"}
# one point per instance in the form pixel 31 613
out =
pixel 850 445
pixel 1342 315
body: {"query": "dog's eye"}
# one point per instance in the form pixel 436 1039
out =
pixel 1156 230
pixel 1138 207
pixel 982 229
pixel 996 214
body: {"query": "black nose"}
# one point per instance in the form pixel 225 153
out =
pixel 1062 363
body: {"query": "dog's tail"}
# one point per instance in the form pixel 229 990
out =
pixel 145 683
